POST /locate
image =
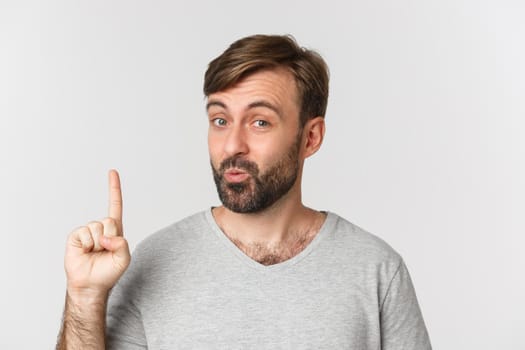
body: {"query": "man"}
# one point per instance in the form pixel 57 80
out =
pixel 262 270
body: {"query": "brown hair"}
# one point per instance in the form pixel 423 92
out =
pixel 258 52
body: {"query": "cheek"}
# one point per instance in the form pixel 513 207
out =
pixel 271 148
pixel 267 158
pixel 215 161
pixel 213 144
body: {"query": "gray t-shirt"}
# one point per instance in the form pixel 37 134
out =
pixel 189 287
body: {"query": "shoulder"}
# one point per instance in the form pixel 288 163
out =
pixel 162 257
pixel 168 250
pixel 356 243
pixel 358 255
pixel 177 236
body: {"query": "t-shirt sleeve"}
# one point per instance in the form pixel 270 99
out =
pixel 124 327
pixel 402 325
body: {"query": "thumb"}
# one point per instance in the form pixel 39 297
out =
pixel 119 247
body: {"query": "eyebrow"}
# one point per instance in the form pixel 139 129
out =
pixel 265 104
pixel 255 104
pixel 215 103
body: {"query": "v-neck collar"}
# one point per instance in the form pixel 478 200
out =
pixel 326 227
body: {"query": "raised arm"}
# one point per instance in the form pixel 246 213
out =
pixel 96 256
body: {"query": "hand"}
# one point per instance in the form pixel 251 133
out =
pixel 97 254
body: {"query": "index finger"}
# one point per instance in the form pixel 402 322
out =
pixel 115 197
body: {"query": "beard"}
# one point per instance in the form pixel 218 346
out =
pixel 258 191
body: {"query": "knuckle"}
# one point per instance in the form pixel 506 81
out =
pixel 79 231
pixel 95 224
pixel 80 236
pixel 116 201
pixel 109 221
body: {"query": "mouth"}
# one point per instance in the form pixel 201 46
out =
pixel 235 175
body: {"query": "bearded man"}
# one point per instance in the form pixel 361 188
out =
pixel 262 270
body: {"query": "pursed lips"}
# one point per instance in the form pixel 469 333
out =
pixel 235 175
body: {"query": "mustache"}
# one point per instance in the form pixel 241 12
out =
pixel 239 163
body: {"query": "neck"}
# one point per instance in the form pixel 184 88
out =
pixel 284 221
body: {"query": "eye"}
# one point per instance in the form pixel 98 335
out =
pixel 261 123
pixel 219 122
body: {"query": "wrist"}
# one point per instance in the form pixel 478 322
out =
pixel 83 324
pixel 87 296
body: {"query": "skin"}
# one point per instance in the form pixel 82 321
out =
pixel 257 119
pixel 96 256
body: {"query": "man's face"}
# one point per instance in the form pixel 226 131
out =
pixel 254 140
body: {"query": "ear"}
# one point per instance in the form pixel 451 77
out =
pixel 313 134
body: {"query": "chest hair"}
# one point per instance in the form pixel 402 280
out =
pixel 270 254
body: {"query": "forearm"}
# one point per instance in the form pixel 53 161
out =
pixel 84 322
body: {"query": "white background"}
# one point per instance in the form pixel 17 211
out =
pixel 425 140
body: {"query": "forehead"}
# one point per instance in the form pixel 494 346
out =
pixel 276 86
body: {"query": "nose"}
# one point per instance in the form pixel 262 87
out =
pixel 236 143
